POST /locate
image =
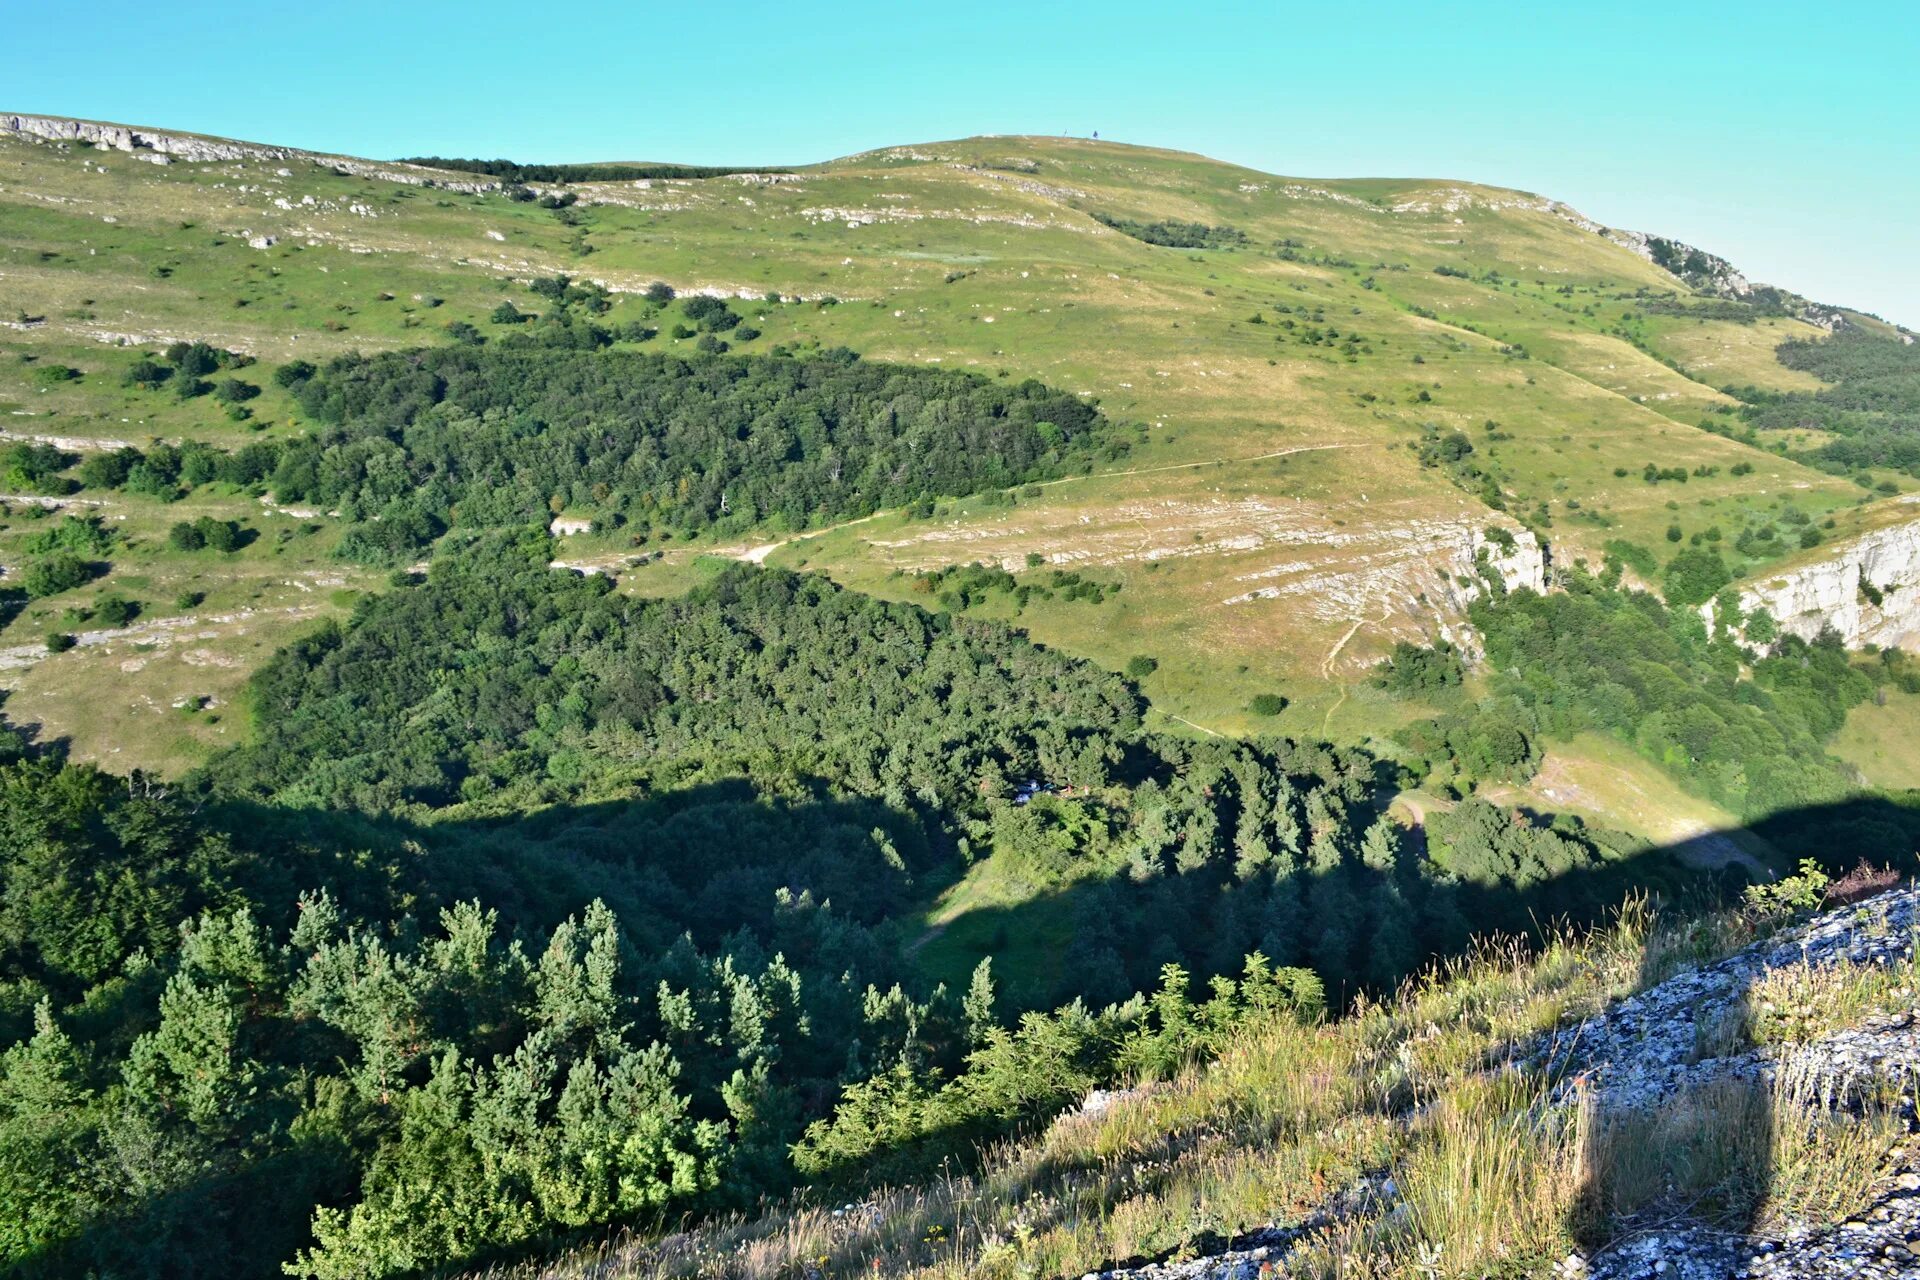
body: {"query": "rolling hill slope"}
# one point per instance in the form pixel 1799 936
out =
pixel 1275 526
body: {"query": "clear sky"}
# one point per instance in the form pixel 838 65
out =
pixel 1781 136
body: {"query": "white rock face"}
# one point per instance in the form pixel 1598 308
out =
pixel 162 148
pixel 1828 593
pixel 1524 566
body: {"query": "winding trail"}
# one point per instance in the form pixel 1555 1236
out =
pixel 913 948
pixel 1333 655
pixel 1191 725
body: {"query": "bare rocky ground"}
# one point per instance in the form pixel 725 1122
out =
pixel 1644 1049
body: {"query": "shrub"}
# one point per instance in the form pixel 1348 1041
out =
pixel 109 470
pixel 59 642
pixel 116 611
pixel 1267 704
pixel 50 575
pixel 1695 576
pixel 26 465
pixel 1789 895
pixel 1139 667
pixel 206 533
pixel 146 373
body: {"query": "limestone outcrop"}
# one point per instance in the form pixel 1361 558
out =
pixel 1867 589
pixel 153 144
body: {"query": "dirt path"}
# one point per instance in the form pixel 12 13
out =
pixel 914 948
pixel 759 554
pixel 1333 655
pixel 1191 725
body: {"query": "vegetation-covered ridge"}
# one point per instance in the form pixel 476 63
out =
pixel 1736 710
pixel 1872 406
pixel 1277 391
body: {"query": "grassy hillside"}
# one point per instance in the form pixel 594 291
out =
pixel 1273 529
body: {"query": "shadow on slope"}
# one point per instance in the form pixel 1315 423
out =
pixel 745 874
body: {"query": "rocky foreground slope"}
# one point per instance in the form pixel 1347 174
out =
pixel 1691 1032
pixel 1730 1097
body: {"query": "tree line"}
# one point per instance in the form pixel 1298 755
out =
pixel 1873 406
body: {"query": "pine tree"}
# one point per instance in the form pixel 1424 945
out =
pixel 1393 950
pixel 977 1006
pixel 1380 847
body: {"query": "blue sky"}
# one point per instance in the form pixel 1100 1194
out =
pixel 1780 136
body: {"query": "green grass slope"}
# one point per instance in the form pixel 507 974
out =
pixel 1275 529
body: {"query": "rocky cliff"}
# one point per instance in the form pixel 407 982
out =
pixel 164 148
pixel 1867 589
pixel 1468 567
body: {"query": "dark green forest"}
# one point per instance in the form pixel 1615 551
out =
pixel 1874 406
pixel 549 419
pixel 533 908
pixel 1174 234
pixel 605 171
pixel 421 441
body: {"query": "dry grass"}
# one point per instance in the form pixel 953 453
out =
pixel 1491 1179
pixel 1498 1172
pixel 1743 1153
pixel 1799 1003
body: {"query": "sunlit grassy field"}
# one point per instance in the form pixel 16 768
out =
pixel 1271 530
pixel 1878 740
